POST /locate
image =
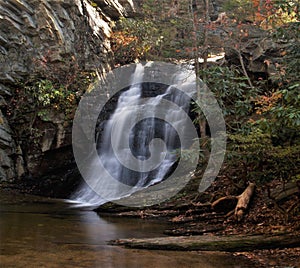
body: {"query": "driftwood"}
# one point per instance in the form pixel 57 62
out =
pixel 213 243
pixel 238 203
pixel 243 201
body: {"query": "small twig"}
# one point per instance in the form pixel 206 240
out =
pixel 244 68
pixel 229 214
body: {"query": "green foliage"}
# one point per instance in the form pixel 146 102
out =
pixel 39 103
pixel 239 9
pixel 282 12
pixel 39 99
pixel 192 154
pixel 233 93
pixel 160 34
pixel 135 39
pixel 271 148
pixel 150 8
pixel 46 96
pixel 93 4
pixel 268 14
pixel 255 158
pixel 282 119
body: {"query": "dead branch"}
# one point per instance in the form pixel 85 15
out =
pixel 236 205
pixel 225 204
pixel 243 201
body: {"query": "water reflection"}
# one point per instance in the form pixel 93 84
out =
pixel 45 233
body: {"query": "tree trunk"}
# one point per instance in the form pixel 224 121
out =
pixel 194 10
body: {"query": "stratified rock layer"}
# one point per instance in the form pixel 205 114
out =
pixel 41 38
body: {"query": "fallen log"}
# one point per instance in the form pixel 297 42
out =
pixel 233 243
pixel 243 201
pixel 285 191
pixel 238 204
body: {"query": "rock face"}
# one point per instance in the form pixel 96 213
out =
pixel 47 38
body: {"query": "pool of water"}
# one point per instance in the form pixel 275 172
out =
pixel 39 232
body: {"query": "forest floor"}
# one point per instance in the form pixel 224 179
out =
pixel 273 209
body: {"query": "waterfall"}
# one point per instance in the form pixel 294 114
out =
pixel 131 106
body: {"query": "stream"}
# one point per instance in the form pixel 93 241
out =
pixel 42 232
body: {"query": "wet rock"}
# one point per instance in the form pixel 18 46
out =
pixel 7 149
pixel 4 159
pixel 5 132
pixel 41 39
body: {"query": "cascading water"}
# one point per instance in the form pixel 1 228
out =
pixel 131 104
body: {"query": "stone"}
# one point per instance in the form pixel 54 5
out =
pixel 4 159
pixel 4 91
pixel 3 103
pixel 30 31
pixel 3 176
pixel 5 137
pixel 20 170
pixel 48 39
pixel 47 140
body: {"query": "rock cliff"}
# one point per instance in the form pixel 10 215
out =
pixel 47 40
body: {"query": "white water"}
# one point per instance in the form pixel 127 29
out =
pixel 129 108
